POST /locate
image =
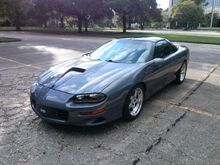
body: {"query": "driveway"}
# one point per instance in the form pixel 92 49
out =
pixel 179 125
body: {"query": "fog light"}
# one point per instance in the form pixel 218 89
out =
pixel 93 113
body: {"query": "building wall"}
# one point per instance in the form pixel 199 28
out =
pixel 208 7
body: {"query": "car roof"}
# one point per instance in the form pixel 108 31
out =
pixel 151 39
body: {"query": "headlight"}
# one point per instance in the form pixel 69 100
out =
pixel 89 98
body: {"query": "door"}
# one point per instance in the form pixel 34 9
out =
pixel 170 62
pixel 159 71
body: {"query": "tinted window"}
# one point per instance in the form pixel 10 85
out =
pixel 159 51
pixel 164 49
pixel 170 49
pixel 124 51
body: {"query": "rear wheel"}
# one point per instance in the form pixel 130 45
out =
pixel 181 74
pixel 134 103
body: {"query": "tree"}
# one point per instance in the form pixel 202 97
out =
pixel 97 10
pixel 147 12
pixel 216 20
pixel 46 10
pixel 139 10
pixel 197 2
pixel 166 18
pixel 122 8
pixel 16 10
pixel 4 13
pixel 88 10
pixel 58 9
pixel 188 14
pixel 42 11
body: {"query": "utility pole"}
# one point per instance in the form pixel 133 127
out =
pixel 211 23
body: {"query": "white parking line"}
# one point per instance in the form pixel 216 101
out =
pixel 16 67
pixel 192 109
pixel 20 63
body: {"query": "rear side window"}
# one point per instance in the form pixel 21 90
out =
pixel 160 49
pixel 164 49
pixel 170 48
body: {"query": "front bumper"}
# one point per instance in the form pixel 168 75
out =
pixel 56 107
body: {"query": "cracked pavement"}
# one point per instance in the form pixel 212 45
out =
pixel 179 125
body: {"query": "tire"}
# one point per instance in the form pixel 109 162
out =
pixel 181 74
pixel 134 103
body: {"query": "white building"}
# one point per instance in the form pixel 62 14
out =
pixel 212 5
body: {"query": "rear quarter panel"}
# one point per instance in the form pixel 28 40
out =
pixel 181 55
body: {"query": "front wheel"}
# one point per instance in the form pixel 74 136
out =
pixel 134 103
pixel 181 74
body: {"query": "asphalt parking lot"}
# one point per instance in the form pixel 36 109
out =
pixel 179 125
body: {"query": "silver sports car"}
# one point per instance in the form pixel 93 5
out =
pixel 109 83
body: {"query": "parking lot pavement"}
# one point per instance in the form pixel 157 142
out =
pixel 179 125
pixel 195 140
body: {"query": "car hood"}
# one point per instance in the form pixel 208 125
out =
pixel 85 75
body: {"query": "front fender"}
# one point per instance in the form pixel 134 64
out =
pixel 119 89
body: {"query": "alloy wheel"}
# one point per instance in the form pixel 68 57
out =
pixel 183 72
pixel 136 102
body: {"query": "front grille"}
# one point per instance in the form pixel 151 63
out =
pixel 54 113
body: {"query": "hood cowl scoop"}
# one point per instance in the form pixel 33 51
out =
pixel 74 69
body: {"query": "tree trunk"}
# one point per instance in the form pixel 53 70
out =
pixel 45 23
pixel 80 23
pixel 129 23
pixel 142 26
pixel 86 25
pixel 62 22
pixel 124 23
pixel 17 21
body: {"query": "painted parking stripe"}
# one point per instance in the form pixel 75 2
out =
pixel 28 65
pixel 192 109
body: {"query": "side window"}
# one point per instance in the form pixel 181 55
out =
pixel 159 49
pixel 164 49
pixel 169 49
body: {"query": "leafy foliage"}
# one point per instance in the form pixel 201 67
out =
pixel 138 10
pixel 15 10
pixel 197 2
pixel 90 10
pixel 83 12
pixel 187 14
pixel 216 20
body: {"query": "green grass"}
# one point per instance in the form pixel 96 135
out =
pixel 116 34
pixel 172 37
pixel 192 39
pixel 3 39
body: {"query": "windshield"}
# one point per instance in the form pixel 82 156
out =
pixel 123 51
